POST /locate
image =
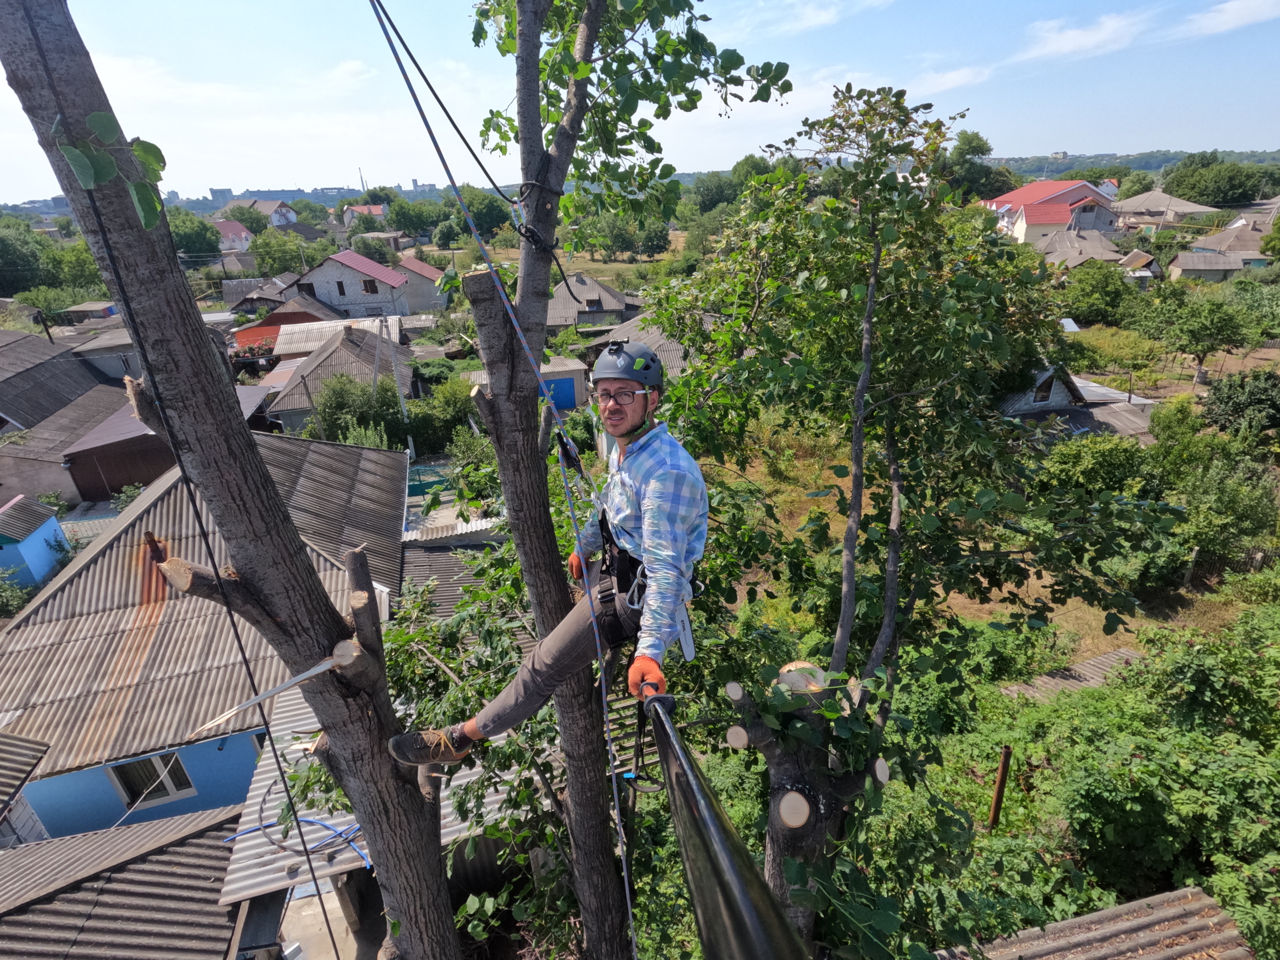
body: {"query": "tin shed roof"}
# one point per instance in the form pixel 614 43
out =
pixel 18 758
pixel 147 890
pixel 48 438
pixel 21 517
pixel 37 378
pixel 309 337
pixel 108 661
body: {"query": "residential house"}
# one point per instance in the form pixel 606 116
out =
pixel 37 379
pixel 301 309
pixel 32 543
pixel 118 672
pixel 1155 210
pixel 376 210
pixel 1141 268
pixel 355 286
pixel 1080 405
pixel 234 262
pixel 233 235
pixel 89 310
pixel 31 460
pixel 1264 214
pixel 249 296
pixel 1244 239
pixel 580 300
pixel 1070 248
pixel 565 377
pixel 299 341
pixel 421 293
pixel 393 240
pixel 139 890
pixel 1213 267
pixel 303 231
pixel 1061 204
pixel 123 451
pixel 112 354
pixel 362 354
pixel 277 212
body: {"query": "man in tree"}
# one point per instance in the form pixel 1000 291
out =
pixel 653 530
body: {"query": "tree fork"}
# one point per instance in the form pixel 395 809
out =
pixel 49 69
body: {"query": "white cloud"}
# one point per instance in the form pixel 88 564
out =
pixel 1109 33
pixel 928 84
pixel 1228 15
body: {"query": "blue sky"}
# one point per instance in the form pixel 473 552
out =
pixel 273 94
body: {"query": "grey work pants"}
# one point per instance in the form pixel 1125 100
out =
pixel 561 653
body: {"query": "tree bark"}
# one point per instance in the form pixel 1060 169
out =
pixel 50 70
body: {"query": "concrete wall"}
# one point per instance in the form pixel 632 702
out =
pixel 353 299
pixel 33 477
pixel 421 295
pixel 220 771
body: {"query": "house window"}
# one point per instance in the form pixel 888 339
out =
pixel 1043 391
pixel 371 286
pixel 152 780
pixel 342 289
pixel 308 288
pixel 594 305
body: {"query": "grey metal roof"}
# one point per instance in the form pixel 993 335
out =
pixel 107 661
pixel 38 378
pixel 563 309
pixel 1246 238
pixel 22 516
pixel 1155 203
pixel 641 330
pixel 123 425
pixel 18 758
pixel 1070 248
pixel 305 304
pixel 1183 923
pixel 443 565
pixel 1088 673
pixel 349 351
pixel 309 337
pixel 48 438
pixel 111 340
pixel 147 890
pixel 1207 261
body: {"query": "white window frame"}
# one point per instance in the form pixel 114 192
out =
pixel 162 769
pixel 1048 396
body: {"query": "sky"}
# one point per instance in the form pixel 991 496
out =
pixel 304 93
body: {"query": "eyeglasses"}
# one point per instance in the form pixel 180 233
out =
pixel 624 398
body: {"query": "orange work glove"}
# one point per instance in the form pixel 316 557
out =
pixel 575 566
pixel 645 670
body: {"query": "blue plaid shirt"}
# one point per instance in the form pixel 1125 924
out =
pixel 656 502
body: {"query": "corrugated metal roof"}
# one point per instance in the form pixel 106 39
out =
pixel 148 890
pixel 414 265
pixel 111 340
pixel 449 528
pixel 640 330
pixel 443 565
pixel 1184 923
pixel 308 337
pixel 38 378
pixel 370 268
pixel 123 425
pixel 18 758
pixel 1155 203
pixel 22 516
pixel 109 662
pixel 351 352
pixel 48 438
pixel 278 377
pixel 1088 673
pixel 1207 261
pixel 305 304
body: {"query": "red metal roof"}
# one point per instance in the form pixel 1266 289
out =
pixel 370 268
pixel 414 265
pixel 373 209
pixel 1047 212
pixel 232 229
pixel 1033 193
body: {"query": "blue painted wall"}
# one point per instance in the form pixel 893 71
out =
pixel 34 559
pixel 220 771
pixel 562 393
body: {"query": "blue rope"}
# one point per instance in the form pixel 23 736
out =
pixel 564 474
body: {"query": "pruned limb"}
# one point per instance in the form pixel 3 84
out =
pixel 544 428
pixel 144 405
pixel 356 665
pixel 364 606
pixel 201 581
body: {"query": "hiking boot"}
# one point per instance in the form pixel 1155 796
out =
pixel 428 746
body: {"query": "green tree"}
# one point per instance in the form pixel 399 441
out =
pixel 363 223
pixel 374 250
pixel 654 239
pixel 310 212
pixel 1244 398
pixel 1230 507
pixel 488 211
pixel 1096 292
pixel 21 249
pixel 66 226
pixel 1193 323
pixel 712 189
pixel 446 235
pixel 194 236
pixel 752 165
pixel 51 300
pixel 416 219
pixel 965 171
pixel 1135 183
pixel 378 196
pixel 1095 175
pixel 70 265
pixel 255 221
pixel 1270 244
pixel 1204 178
pixel 277 252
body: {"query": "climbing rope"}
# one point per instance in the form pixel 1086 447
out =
pixel 566 443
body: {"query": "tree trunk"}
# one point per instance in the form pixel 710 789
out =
pixel 49 68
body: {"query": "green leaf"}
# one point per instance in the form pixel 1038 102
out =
pixel 80 165
pixel 104 167
pixel 104 126
pixel 841 470
pixel 151 158
pixel 146 200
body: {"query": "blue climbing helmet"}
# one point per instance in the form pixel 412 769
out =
pixel 624 360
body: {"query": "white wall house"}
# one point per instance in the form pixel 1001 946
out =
pixel 233 235
pixel 356 286
pixel 421 293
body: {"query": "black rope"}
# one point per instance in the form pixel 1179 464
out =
pixel 145 360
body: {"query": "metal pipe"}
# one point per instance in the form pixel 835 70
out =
pixel 738 918
pixel 1002 777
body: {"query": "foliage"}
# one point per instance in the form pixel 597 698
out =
pixel 194 236
pixel 712 189
pixel 363 222
pixel 1096 292
pixel 446 235
pixel 1097 463
pixel 1105 348
pixel 375 250
pixel 610 235
pixel 12 597
pixel 1254 588
pixel 654 239
pixel 278 252
pixel 373 436
pixel 1230 506
pixel 1204 178
pixel 1135 183
pixel 968 175
pixel 418 218
pixel 255 221
pixel 346 408
pixel 71 265
pixel 309 212
pixel 55 500
pixel 1191 321
pixel 20 256
pixel 66 226
pixel 1239 398
pixel 1270 244
pixel 488 212
pixel 1096 174
pixel 128 493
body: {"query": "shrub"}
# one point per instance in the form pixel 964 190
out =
pixel 1105 348
pixel 126 496
pixel 12 597
pixel 1252 397
pixel 1256 587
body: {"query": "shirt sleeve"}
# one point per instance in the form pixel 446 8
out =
pixel 673 510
